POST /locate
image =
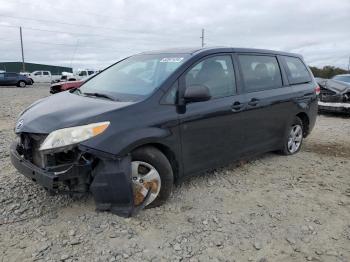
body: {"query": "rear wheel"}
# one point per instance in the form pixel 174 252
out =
pixel 294 138
pixel 21 84
pixel 151 170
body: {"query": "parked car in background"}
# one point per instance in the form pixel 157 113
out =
pixel 83 74
pixel 65 76
pixel 343 78
pixel 152 119
pixel 27 74
pixel 43 77
pixel 14 79
pixel 334 94
pixel 64 86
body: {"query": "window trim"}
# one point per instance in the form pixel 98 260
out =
pixel 289 73
pixel 244 88
pixel 182 78
pixel 164 96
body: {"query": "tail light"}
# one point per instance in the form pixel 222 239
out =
pixel 317 90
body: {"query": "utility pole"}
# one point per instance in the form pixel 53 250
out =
pixel 202 37
pixel 23 64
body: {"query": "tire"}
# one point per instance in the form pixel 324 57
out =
pixel 21 84
pixel 152 156
pixel 297 129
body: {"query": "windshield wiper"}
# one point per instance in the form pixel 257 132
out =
pixel 100 95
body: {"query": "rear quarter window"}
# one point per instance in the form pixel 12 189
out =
pixel 260 72
pixel 297 72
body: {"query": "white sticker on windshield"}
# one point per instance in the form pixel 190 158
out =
pixel 171 60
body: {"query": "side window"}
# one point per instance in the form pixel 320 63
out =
pixel 82 73
pixel 297 72
pixel 45 73
pixel 37 74
pixel 91 72
pixel 260 72
pixel 2 76
pixel 216 73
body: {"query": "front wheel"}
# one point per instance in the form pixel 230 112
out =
pixel 293 138
pixel 21 84
pixel 151 170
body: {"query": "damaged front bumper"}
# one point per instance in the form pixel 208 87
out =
pixel 51 178
pixel 108 179
pixel 334 107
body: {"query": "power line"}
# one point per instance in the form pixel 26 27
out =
pixel 66 32
pixel 59 22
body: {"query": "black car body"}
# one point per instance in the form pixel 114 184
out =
pixel 334 94
pixel 209 107
pixel 14 79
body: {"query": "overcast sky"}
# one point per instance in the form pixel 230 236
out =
pixel 94 34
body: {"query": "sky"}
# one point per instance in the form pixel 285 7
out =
pixel 95 34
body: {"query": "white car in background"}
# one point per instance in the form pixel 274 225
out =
pixel 81 74
pixel 43 77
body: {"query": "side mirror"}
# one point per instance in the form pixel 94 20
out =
pixel 197 93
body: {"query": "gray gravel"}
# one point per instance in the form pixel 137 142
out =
pixel 272 208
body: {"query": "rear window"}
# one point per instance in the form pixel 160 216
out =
pixel 260 72
pixel 297 72
pixel 46 73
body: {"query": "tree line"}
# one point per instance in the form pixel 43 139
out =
pixel 327 71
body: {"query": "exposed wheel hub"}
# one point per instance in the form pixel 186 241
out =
pixel 144 178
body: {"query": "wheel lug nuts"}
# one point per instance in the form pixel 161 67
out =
pixel 141 180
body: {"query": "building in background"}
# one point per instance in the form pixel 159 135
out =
pixel 31 67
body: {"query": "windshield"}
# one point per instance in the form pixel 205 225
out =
pixel 134 78
pixel 342 78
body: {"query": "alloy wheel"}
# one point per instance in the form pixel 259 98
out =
pixel 295 138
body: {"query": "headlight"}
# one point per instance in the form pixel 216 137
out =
pixel 73 135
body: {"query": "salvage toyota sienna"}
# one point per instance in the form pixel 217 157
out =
pixel 132 131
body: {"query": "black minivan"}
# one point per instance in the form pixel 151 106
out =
pixel 141 125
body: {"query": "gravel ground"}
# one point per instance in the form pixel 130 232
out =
pixel 272 208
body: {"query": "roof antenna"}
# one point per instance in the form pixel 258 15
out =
pixel 202 37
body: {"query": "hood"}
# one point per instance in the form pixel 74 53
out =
pixel 64 110
pixel 337 86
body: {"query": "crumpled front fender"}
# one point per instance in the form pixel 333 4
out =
pixel 112 187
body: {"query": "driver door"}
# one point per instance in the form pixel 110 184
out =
pixel 211 134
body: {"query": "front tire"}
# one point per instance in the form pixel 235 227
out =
pixel 151 170
pixel 293 138
pixel 21 84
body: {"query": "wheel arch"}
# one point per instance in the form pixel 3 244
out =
pixel 306 123
pixel 169 154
